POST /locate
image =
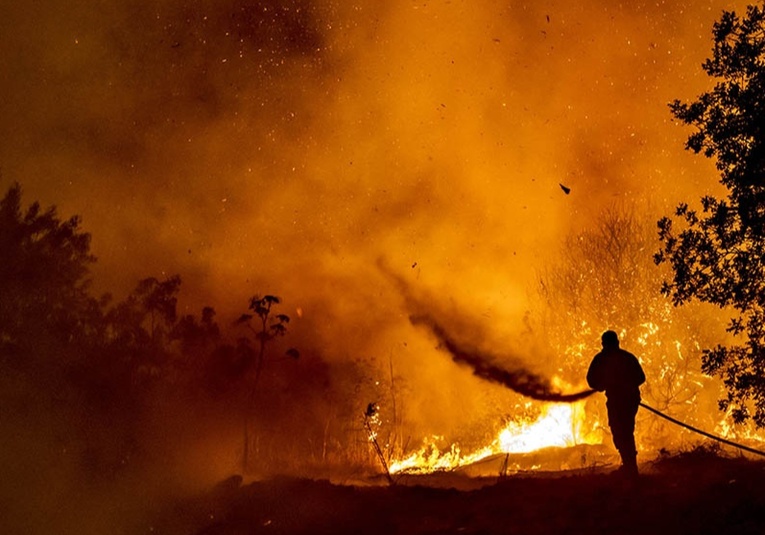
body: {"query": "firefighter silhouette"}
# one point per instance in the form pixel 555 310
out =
pixel 619 374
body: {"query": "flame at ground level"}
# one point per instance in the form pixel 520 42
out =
pixel 558 425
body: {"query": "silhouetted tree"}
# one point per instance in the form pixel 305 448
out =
pixel 45 307
pixel 55 368
pixel 95 378
pixel 195 336
pixel 718 255
pixel 268 327
pixel 140 325
pixel 195 339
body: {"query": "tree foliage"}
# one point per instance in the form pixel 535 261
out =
pixel 270 326
pixel 99 369
pixel 111 385
pixel 45 305
pixel 717 255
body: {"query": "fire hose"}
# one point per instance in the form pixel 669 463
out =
pixel 529 384
pixel 699 431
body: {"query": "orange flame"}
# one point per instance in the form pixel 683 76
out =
pixel 558 425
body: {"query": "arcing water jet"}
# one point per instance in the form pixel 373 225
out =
pixel 519 380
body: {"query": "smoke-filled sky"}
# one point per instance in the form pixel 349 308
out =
pixel 286 146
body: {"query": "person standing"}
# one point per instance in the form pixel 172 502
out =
pixel 619 374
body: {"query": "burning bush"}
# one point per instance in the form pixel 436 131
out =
pixel 605 278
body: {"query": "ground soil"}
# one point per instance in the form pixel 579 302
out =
pixel 692 493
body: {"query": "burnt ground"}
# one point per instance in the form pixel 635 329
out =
pixel 691 493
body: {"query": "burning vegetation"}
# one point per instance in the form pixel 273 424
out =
pixel 350 242
pixel 162 363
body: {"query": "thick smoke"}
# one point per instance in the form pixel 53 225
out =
pixel 518 379
pixel 269 145
pixel 282 146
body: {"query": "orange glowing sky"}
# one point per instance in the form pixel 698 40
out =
pixel 285 147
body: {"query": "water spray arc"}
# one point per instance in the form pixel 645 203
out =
pixel 483 364
pixel 535 386
pixel 519 380
pixel 516 377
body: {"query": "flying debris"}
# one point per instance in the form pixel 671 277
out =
pixel 565 189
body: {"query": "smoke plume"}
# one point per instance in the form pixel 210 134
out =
pixel 519 380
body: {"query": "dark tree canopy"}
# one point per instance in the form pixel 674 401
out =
pixel 718 255
pixel 43 277
pixel 96 373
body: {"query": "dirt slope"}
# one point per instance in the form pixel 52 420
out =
pixel 686 494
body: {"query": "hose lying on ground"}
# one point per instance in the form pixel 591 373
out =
pixel 523 381
pixel 699 431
